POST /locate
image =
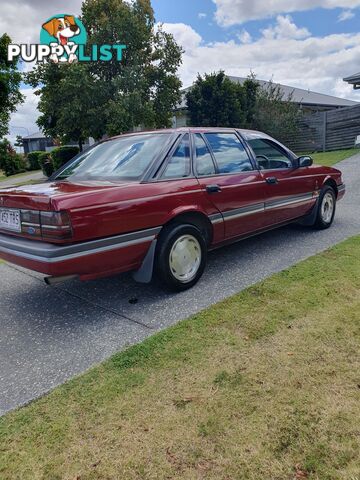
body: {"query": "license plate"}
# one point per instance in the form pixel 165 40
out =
pixel 10 219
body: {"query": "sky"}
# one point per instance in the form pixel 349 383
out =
pixel 311 44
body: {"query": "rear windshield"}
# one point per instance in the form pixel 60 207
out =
pixel 126 157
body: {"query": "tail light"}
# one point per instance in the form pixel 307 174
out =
pixel 30 222
pixel 55 225
pixel 50 225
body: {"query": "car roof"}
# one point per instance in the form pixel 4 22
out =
pixel 245 132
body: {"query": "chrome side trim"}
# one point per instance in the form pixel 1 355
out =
pixel 244 211
pixel 50 253
pixel 306 197
pixel 216 218
pixel 261 207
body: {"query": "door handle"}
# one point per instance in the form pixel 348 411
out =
pixel 213 188
pixel 271 180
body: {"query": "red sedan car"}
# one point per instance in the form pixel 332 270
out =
pixel 158 201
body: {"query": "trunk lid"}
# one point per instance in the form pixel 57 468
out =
pixel 48 196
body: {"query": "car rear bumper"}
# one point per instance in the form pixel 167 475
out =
pixel 89 259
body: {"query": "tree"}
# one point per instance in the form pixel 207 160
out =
pixel 19 142
pixel 10 161
pixel 71 102
pixel 251 92
pixel 98 98
pixel 275 114
pixel 214 100
pixel 10 78
pixel 143 88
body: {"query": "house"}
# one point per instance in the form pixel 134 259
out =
pixel 353 80
pixel 307 100
pixel 38 141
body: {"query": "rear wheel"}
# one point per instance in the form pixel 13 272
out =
pixel 181 256
pixel 326 208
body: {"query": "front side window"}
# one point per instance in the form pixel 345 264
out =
pixel 269 155
pixel 229 152
pixel 204 163
pixel 179 164
pixel 126 157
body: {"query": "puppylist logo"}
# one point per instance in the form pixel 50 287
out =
pixel 64 34
pixel 63 39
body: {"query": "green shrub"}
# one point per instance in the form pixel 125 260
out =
pixel 14 164
pixel 62 155
pixel 10 161
pixel 52 161
pixel 46 164
pixel 33 160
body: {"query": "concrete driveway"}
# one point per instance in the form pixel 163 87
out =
pixel 49 334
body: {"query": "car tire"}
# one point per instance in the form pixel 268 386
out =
pixel 180 257
pixel 326 208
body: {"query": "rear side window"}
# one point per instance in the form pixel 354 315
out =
pixel 204 163
pixel 229 153
pixel 179 164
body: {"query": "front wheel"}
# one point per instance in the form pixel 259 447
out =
pixel 326 208
pixel 181 256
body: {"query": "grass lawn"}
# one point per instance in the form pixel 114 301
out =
pixel 330 158
pixel 3 178
pixel 28 182
pixel 264 385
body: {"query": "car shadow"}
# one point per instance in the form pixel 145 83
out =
pixel 229 270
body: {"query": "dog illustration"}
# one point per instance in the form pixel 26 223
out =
pixel 62 28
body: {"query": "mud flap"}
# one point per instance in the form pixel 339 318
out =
pixel 310 219
pixel 145 272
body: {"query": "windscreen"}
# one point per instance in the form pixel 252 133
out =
pixel 127 157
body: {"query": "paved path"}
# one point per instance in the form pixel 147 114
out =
pixel 23 179
pixel 49 334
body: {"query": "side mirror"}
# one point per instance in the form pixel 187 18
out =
pixel 305 161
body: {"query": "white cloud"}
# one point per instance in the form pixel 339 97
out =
pixel 244 36
pixel 202 15
pixel 346 15
pixel 22 20
pixel 23 121
pixel 184 35
pixel 285 28
pixel 232 12
pixel 317 63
